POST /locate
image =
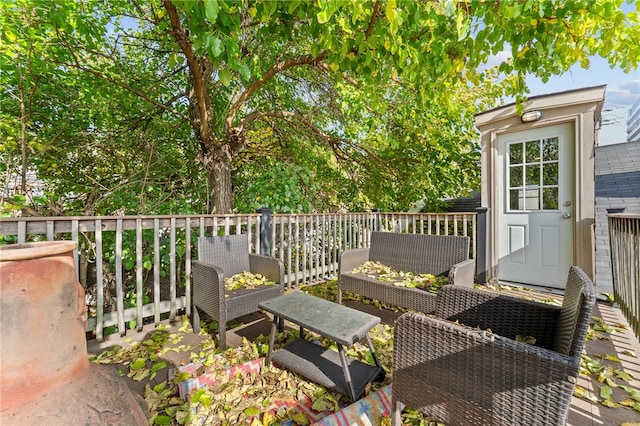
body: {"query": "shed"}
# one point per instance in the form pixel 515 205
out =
pixel 538 186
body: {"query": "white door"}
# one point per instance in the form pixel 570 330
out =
pixel 535 207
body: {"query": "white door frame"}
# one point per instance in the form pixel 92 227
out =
pixel 536 237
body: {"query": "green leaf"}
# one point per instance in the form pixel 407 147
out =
pixel 245 72
pixel 390 10
pixel 162 420
pixel 205 399
pixel 319 405
pixel 225 76
pixel 251 411
pixel 10 36
pixel 138 364
pixel 623 375
pixel 605 392
pixel 293 4
pixel 211 9
pixel 158 366
pixel 182 377
pixel 323 17
pixel 217 47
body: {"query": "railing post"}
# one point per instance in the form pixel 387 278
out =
pixel 376 219
pixel 482 244
pixel 265 231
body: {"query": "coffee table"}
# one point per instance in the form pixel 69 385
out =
pixel 343 325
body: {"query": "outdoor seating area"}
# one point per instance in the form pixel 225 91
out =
pixel 201 365
pixel 302 349
pixel 330 213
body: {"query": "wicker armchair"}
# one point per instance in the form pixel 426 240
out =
pixel 462 375
pixel 220 257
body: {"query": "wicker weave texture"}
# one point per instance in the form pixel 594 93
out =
pixel 433 254
pixel 570 335
pixel 220 257
pixel 461 375
pixel 504 315
pixel 410 298
pixel 420 254
pixel 230 253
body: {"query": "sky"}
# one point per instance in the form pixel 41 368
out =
pixel 621 93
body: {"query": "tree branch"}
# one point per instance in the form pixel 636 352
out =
pixel 333 141
pixel 277 68
pixel 76 64
pixel 374 14
pixel 194 66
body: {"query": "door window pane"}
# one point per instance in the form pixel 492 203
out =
pixel 515 153
pixel 532 200
pixel 533 175
pixel 515 176
pixel 550 149
pixel 516 199
pixel 550 198
pixel 533 151
pixel 550 174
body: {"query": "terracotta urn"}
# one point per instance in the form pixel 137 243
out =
pixel 45 374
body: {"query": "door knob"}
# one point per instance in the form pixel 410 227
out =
pixel 566 216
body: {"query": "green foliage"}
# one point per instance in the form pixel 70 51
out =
pixel 97 148
pixel 124 107
pixel 285 188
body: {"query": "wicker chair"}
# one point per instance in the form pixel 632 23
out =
pixel 463 375
pixel 220 257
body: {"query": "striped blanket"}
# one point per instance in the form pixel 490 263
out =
pixel 368 411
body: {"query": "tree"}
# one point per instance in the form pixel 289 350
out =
pixel 370 82
pixel 96 148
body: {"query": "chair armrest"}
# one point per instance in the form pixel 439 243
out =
pixel 504 315
pixel 352 258
pixel 208 287
pixel 453 370
pixel 463 273
pixel 270 267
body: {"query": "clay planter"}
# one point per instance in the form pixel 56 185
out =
pixel 45 375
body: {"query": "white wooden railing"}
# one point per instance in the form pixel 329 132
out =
pixel 145 265
pixel 624 238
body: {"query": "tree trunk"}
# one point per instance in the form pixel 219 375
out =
pixel 219 175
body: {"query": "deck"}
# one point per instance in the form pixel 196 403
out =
pixel 620 345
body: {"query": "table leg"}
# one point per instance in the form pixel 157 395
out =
pixel 373 351
pixel 272 339
pixel 347 374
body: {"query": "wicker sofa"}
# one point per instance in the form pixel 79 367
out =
pixel 416 253
pixel 463 375
pixel 220 257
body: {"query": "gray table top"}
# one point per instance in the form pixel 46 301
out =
pixel 339 323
